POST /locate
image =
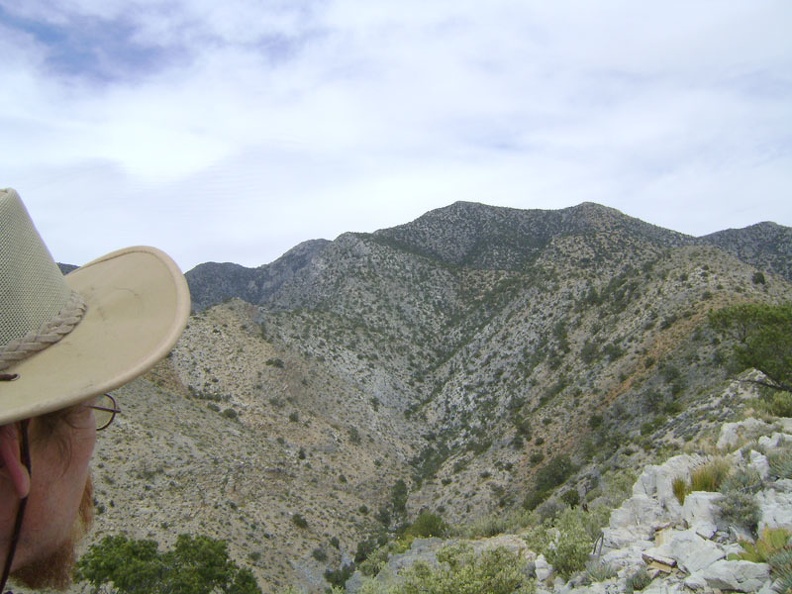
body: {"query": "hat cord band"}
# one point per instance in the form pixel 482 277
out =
pixel 48 334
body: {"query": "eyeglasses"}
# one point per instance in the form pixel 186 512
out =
pixel 105 409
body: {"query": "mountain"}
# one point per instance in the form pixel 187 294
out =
pixel 448 364
pixel 766 245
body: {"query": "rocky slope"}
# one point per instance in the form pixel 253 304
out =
pixel 452 358
pixel 676 546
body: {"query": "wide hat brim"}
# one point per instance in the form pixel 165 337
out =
pixel 138 304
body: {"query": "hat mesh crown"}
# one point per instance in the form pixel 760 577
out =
pixel 32 288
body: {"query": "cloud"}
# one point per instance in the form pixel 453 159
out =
pixel 234 130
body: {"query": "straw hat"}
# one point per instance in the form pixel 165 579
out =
pixel 66 338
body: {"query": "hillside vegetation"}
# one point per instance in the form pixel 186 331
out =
pixel 477 365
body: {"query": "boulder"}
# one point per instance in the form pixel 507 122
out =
pixel 657 482
pixel 732 433
pixel 758 462
pixel 700 512
pixel 774 441
pixel 636 520
pixel 543 569
pixel 737 576
pixel 664 587
pixel 776 509
pixel 690 551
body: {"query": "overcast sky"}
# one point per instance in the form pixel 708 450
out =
pixel 233 130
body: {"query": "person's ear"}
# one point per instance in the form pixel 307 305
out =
pixel 10 458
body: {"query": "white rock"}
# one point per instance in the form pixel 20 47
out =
pixel 731 433
pixel 758 462
pixel 657 482
pixel 664 587
pixel 636 520
pixel 691 552
pixel 740 576
pixel 543 569
pixel 774 441
pixel 776 509
pixel 783 485
pixel 700 512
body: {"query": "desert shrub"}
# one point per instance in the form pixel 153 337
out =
pixel 709 476
pixel 747 480
pixel 461 571
pixel 781 463
pixel 428 524
pixel 771 542
pixel 319 554
pixel 568 543
pixel 638 580
pixel 299 521
pixel 778 404
pixel 738 505
pixel 741 509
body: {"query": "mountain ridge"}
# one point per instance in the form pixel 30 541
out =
pixel 476 235
pixel 442 365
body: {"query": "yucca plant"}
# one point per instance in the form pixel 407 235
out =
pixel 781 570
pixel 771 542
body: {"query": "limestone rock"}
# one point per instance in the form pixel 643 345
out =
pixel 738 576
pixel 732 433
pixel 690 551
pixel 776 509
pixel 700 512
pixel 543 569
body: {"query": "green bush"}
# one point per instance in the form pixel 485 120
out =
pixel 778 404
pixel 197 564
pixel 427 525
pixel 570 552
pixel 548 477
pixel 461 571
pixel 319 554
pixel 338 577
pixel 761 339
pixel 299 521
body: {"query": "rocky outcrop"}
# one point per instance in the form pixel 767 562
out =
pixel 690 541
pixel 684 546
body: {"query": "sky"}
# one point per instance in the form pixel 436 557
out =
pixel 232 131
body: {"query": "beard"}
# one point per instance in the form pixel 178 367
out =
pixel 54 571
